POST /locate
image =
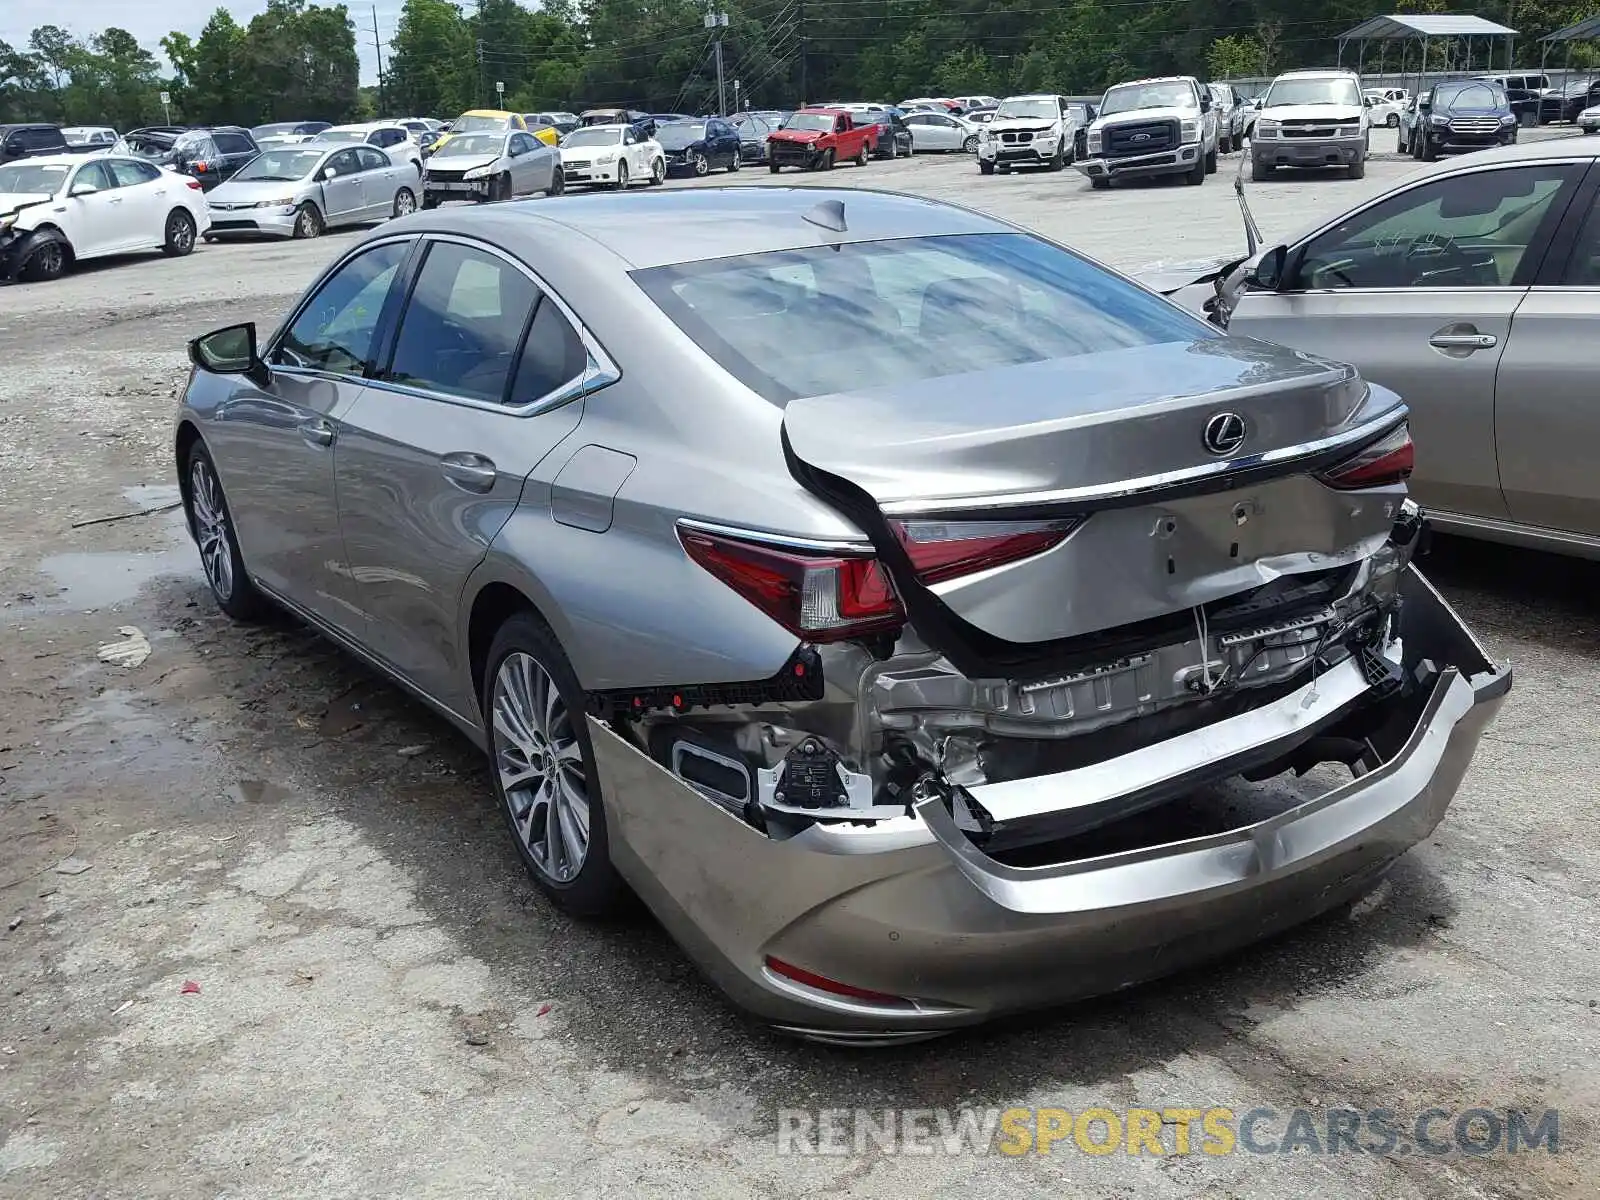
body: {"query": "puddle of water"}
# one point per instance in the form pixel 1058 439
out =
pixel 259 791
pixel 101 579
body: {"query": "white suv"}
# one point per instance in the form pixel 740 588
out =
pixel 1311 119
pixel 1029 131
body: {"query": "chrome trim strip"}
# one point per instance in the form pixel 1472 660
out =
pixel 1149 483
pixel 786 540
pixel 1513 534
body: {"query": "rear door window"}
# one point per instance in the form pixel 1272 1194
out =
pixel 371 159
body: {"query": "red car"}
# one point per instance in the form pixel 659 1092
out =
pixel 817 138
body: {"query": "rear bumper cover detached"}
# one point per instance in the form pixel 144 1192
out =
pixel 931 933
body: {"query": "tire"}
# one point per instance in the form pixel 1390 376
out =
pixel 861 156
pixel 1260 172
pixel 1429 154
pixel 622 177
pixel 1393 121
pixel 1211 163
pixel 180 231
pixel 308 222
pixel 1527 120
pixel 1358 169
pixel 985 168
pixel 658 172
pixel 533 709
pixel 558 182
pixel 1196 175
pixel 701 167
pixel 1400 146
pixel 1224 145
pixel 827 161
pixel 773 168
pixel 211 523
pixel 894 149
pixel 1004 168
pixel 1058 160
pixel 1590 132
pixel 47 263
pixel 736 162
pixel 970 145
pixel 1100 183
pixel 405 203
pixel 429 200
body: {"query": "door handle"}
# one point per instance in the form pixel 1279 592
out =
pixel 1463 341
pixel 318 432
pixel 469 472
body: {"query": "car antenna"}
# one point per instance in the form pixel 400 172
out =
pixel 829 215
pixel 1252 232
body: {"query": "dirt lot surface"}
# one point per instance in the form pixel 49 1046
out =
pixel 386 1007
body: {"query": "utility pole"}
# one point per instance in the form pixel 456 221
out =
pixel 377 44
pixel 717 22
pixel 736 96
pixel 801 19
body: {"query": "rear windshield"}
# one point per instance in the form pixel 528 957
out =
pixel 819 320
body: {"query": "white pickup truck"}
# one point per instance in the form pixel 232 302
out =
pixel 1153 127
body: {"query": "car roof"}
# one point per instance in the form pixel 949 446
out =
pixel 51 160
pixel 705 223
pixel 1318 73
pixel 1030 96
pixel 1155 79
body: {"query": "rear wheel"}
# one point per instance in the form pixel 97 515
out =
pixel 861 156
pixel 542 764
pixel 180 231
pixel 736 161
pixel 308 222
pixel 211 522
pixel 558 181
pixel 404 203
pixel 970 145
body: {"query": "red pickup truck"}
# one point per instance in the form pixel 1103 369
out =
pixel 816 138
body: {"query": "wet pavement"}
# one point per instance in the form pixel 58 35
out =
pixel 386 1006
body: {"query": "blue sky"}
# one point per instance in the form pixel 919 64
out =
pixel 150 21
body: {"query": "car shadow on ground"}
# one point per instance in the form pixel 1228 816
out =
pixel 638 1003
pixel 1546 598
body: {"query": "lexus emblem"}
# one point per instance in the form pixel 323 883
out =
pixel 1224 433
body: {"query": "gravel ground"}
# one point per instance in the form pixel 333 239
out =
pixel 386 1006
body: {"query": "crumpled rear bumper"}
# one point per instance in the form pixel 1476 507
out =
pixel 949 936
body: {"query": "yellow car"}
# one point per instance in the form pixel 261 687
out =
pixel 484 120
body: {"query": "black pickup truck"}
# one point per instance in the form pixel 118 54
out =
pixel 29 141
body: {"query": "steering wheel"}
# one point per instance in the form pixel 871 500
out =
pixel 1449 257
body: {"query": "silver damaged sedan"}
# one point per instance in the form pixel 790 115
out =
pixel 907 689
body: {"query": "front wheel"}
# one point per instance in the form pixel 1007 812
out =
pixel 1099 183
pixel 308 223
pixel 862 155
pixel 429 200
pixel 211 523
pixel 180 232
pixel 1260 172
pixel 622 177
pixel 47 263
pixel 1211 163
pixel 736 162
pixel 1358 169
pixel 701 165
pixel 658 172
pixel 1058 160
pixel 970 146
pixel 1196 175
pixel 985 168
pixel 773 168
pixel 542 765
pixel 827 161
pixel 405 203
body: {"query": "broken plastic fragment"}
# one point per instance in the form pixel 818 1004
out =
pixel 130 652
pixel 189 988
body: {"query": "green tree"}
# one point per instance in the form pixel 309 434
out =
pixel 431 60
pixel 1234 57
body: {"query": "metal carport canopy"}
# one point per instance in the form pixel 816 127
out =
pixel 1424 25
pixel 1587 28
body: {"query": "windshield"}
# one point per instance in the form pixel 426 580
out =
pixel 1469 95
pixel 1045 109
pixel 282 164
pixel 477 123
pixel 29 177
pixel 861 315
pixel 1130 96
pixel 812 122
pixel 1314 91
pixel 148 146
pixel 1578 88
pixel 592 137
pixel 477 144
pixel 342 135
pixel 679 134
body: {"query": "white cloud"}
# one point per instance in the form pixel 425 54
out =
pixel 149 21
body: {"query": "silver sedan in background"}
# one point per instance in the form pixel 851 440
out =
pixel 491 166
pixel 900 710
pixel 936 131
pixel 300 190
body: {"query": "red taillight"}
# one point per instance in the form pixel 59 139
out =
pixel 819 597
pixel 822 983
pixel 1388 460
pixel 193 185
pixel 941 550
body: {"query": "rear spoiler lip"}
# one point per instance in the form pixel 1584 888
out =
pixel 1187 481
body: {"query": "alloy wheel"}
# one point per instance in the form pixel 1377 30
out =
pixel 540 766
pixel 49 260
pixel 180 233
pixel 404 203
pixel 211 528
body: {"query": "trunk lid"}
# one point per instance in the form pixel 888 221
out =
pixel 1117 442
pixel 1066 429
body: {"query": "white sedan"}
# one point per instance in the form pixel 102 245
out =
pixel 1589 120
pixel 62 209
pixel 613 155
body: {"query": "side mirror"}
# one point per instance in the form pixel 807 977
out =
pixel 83 189
pixel 1270 271
pixel 329 173
pixel 229 351
pixel 1205 104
